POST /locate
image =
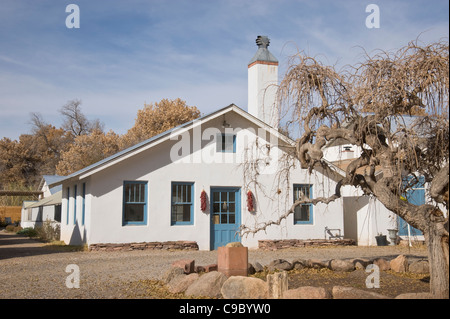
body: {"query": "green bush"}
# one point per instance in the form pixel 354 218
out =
pixel 28 231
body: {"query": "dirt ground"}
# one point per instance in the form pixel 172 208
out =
pixel 391 284
pixel 107 275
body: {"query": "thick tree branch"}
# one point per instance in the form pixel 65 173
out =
pixel 439 186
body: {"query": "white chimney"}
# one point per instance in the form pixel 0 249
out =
pixel 262 84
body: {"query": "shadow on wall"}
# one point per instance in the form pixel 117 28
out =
pixel 77 238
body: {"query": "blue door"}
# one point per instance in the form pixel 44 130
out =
pixel 415 196
pixel 225 215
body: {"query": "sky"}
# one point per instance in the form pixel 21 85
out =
pixel 126 54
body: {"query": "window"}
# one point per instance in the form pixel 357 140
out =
pixel 182 203
pixel 303 214
pixel 226 143
pixel 134 203
pixel 58 213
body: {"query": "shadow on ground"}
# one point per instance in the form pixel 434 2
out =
pixel 13 246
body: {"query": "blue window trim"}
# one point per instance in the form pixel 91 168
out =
pixel 75 205
pixel 311 212
pixel 416 195
pixel 83 211
pixel 144 222
pixel 191 222
pixel 68 205
pixel 219 143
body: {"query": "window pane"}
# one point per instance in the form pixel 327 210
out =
pixel 228 143
pixel 181 193
pixel 305 213
pixel 134 193
pixel 58 213
pixel 297 213
pixel 216 196
pixel 219 143
pixel 181 213
pixel 224 142
pixel 232 207
pixel 301 213
pixel 186 213
pixel 177 213
pixel 174 193
pixel 231 196
pixel 134 212
pixel 300 190
pixel 177 193
pixel 305 191
pixel 231 218
pixel 142 193
pixel 216 207
pixel 127 192
pixel 189 195
pixel 223 219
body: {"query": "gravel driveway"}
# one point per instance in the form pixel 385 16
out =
pixel 29 270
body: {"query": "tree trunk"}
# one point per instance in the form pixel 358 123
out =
pixel 438 256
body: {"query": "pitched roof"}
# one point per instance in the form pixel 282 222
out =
pixel 164 136
pixel 51 179
pixel 54 199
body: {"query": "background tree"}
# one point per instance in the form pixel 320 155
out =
pixel 49 143
pixel 87 150
pixel 320 105
pixel 75 122
pixel 159 117
pixel 23 162
pixel 19 162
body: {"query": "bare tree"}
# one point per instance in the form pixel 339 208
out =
pixel 369 105
pixel 76 122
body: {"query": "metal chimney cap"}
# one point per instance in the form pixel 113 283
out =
pixel 263 54
pixel 262 41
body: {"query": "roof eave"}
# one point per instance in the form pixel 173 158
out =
pixel 131 151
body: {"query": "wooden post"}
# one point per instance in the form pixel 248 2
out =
pixel 277 284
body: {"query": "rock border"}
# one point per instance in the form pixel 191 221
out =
pixel 166 245
pixel 185 277
pixel 270 244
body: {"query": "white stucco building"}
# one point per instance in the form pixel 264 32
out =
pixel 47 208
pixel 191 183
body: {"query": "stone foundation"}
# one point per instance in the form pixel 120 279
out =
pixel 294 243
pixel 175 245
